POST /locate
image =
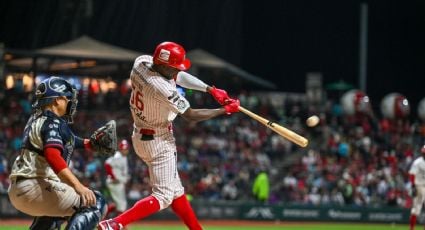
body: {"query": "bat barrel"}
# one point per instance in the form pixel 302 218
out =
pixel 282 131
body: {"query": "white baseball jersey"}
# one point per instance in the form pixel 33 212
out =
pixel 119 165
pixel 154 100
pixel 418 169
pixel 154 104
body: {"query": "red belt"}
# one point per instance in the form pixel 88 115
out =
pixel 147 134
pixel 147 131
pixel 152 132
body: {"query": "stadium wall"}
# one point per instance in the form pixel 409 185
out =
pixel 251 211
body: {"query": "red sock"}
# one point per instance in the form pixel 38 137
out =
pixel 183 209
pixel 141 209
pixel 412 221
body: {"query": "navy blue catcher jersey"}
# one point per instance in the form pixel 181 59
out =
pixel 44 131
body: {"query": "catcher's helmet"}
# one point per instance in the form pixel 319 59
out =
pixel 54 87
pixel 171 54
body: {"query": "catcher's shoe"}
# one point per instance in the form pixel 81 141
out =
pixel 109 225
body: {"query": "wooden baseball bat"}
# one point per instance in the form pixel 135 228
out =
pixel 284 132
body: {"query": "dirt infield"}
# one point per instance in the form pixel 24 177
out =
pixel 20 224
pixel 224 223
pixel 27 222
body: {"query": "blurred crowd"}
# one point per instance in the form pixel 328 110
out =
pixel 356 160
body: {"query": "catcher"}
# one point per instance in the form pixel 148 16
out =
pixel 42 185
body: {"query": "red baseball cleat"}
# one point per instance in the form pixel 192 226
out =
pixel 109 225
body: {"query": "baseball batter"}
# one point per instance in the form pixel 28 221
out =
pixel 154 104
pixel 42 185
pixel 417 179
pixel 116 168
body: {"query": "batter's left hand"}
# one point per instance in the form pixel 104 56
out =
pixel 220 95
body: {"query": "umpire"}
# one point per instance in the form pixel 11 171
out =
pixel 42 185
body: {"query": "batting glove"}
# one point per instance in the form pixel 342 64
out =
pixel 220 95
pixel 232 106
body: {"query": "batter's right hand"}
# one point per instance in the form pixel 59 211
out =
pixel 232 106
pixel 87 196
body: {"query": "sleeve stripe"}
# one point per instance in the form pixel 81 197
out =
pixel 57 146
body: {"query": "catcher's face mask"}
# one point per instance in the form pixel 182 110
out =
pixel 71 107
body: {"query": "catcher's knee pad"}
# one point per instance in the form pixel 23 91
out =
pixel 47 223
pixel 101 204
pixel 88 217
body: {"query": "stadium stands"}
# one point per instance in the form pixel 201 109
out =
pixel 351 160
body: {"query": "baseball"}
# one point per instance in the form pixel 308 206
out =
pixel 312 121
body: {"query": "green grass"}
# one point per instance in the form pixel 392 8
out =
pixel 288 226
pixel 280 227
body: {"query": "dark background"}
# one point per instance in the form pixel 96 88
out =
pixel 277 40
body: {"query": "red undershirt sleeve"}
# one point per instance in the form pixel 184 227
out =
pixel 109 171
pixel 412 179
pixel 87 145
pixel 55 160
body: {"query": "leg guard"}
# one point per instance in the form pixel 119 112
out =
pixel 47 223
pixel 88 218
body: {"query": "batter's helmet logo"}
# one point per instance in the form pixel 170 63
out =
pixel 164 55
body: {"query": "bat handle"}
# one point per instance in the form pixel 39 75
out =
pixel 242 109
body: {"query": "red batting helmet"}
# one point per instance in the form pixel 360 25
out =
pixel 123 145
pixel 171 54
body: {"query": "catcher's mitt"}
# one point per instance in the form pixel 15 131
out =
pixel 104 139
